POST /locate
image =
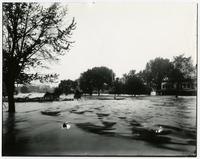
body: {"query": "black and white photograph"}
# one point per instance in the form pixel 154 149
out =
pixel 99 78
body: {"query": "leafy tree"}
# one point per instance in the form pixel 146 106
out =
pixel 24 89
pixel 95 78
pixel 156 70
pixel 67 86
pixel 182 70
pixel 57 91
pixel 118 86
pixel 133 84
pixel 32 34
pixel 86 82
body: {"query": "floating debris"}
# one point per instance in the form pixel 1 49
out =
pixel 119 98
pixel 77 112
pixel 51 113
pixel 102 114
pixel 66 125
pixel 159 130
pixel 104 98
pixel 68 99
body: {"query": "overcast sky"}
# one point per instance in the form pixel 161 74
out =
pixel 125 36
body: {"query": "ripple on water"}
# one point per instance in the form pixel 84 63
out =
pixel 97 129
pixel 164 122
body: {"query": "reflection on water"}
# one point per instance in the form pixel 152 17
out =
pixel 12 143
pixel 164 122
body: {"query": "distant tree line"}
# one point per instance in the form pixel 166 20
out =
pixel 102 79
pixel 32 88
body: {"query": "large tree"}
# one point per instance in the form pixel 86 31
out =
pixel 96 78
pixel 32 35
pixel 118 86
pixel 182 70
pixel 156 70
pixel 67 86
pixel 86 82
pixel 133 83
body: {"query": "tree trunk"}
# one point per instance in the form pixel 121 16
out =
pixel 90 92
pixel 177 89
pixel 159 86
pixel 10 86
pixel 98 92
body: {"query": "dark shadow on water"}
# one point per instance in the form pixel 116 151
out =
pixel 89 127
pixel 80 112
pixel 12 145
pixel 98 108
pixel 50 113
pixel 122 117
pixel 102 114
pixel 150 136
pixel 170 127
pixel 190 134
pixel 134 123
pixel 159 139
pixel 108 123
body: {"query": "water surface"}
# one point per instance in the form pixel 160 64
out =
pixel 149 125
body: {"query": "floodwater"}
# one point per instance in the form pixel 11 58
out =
pixel 136 126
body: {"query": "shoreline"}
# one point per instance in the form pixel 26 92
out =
pixel 86 96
